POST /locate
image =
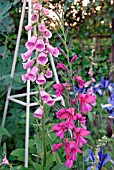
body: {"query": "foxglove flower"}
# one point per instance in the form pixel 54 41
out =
pixel 28 27
pixel 45 12
pixel 25 77
pixel 40 46
pixel 30 45
pixel 41 27
pixel 34 17
pixel 42 59
pixel 4 161
pixel 41 79
pixel 37 6
pixel 47 34
pixel 90 72
pixel 50 101
pixel 48 74
pixel 33 73
pixel 28 64
pixel 45 96
pixel 26 56
pixel 38 113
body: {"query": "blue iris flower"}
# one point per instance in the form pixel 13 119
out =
pixel 103 159
pixel 79 90
pixel 97 89
pixel 105 83
pixel 110 106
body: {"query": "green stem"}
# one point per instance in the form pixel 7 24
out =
pixel 43 143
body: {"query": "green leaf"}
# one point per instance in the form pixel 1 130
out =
pixel 49 84
pixel 38 143
pixel 37 166
pixel 3 131
pixel 60 166
pixel 90 116
pixel 19 153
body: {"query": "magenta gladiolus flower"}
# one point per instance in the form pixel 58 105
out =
pixel 74 58
pixel 45 12
pixel 41 27
pixel 28 64
pixel 60 129
pixel 50 101
pixel 59 89
pixel 45 96
pixel 80 81
pixel 34 17
pixel 4 161
pixel 38 113
pixel 42 59
pixel 84 100
pixel 26 56
pixel 33 73
pixel 40 46
pixel 28 27
pixel 56 147
pixel 79 134
pixel 41 79
pixel 48 73
pixel 61 66
pixel 47 34
pixel 30 45
pixel 37 6
pixel 73 101
pixel 81 118
pixel 71 150
pixel 25 77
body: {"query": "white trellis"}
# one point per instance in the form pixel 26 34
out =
pixel 15 98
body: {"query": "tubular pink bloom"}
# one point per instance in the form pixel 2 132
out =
pixel 48 73
pixel 45 12
pixel 42 59
pixel 30 45
pixel 50 101
pixel 52 50
pixel 79 133
pixel 60 129
pixel 33 73
pixel 40 46
pixel 80 81
pixel 45 96
pixel 4 161
pixel 90 72
pixel 41 27
pixel 37 6
pixel 34 17
pixel 41 79
pixel 26 56
pixel 74 58
pixel 56 147
pixel 61 66
pixel 28 64
pixel 28 27
pixel 38 113
pixel 87 83
pixel 84 100
pixel 55 52
pixel 47 34
pixel 59 89
pixel 25 77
